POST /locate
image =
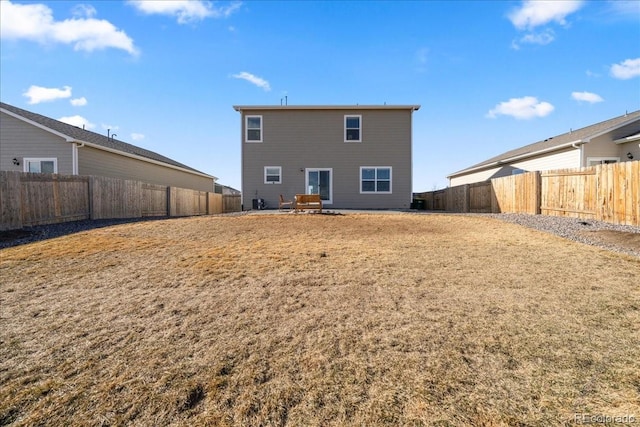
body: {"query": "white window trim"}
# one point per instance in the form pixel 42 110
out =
pixel 599 159
pixel 246 129
pixel 279 174
pixel 376 180
pixel 359 116
pixel 27 160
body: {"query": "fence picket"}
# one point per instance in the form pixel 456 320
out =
pixel 28 199
pixel 609 192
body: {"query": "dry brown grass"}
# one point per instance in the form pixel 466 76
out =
pixel 317 320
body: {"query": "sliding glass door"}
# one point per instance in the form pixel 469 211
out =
pixel 318 181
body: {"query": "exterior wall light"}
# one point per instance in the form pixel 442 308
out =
pixel 629 156
pixel 16 161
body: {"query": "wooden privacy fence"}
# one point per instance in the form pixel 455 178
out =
pixel 231 203
pixel 608 193
pixel 28 199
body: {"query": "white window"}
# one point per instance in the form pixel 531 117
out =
pixel 273 174
pixel 352 128
pixel 38 165
pixel 253 129
pixel 375 179
pixel 592 161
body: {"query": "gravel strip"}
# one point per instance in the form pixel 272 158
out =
pixel 43 232
pixel 575 229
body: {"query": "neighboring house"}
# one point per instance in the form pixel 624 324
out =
pixel 614 140
pixel 30 142
pixel 355 157
pixel 226 190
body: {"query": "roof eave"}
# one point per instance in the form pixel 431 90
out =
pixel 66 137
pixel 241 108
pixel 144 159
pixel 70 139
pixel 631 138
pixel 572 144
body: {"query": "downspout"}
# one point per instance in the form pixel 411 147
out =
pixel 578 146
pixel 74 157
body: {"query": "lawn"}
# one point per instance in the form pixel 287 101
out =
pixel 317 320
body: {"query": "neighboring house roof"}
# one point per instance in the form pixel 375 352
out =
pixel 574 137
pixel 75 134
pixel 326 107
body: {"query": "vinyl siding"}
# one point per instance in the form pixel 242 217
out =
pixel 480 176
pixel 19 140
pixel 301 139
pixel 602 146
pixel 560 160
pixel 629 147
pixel 92 161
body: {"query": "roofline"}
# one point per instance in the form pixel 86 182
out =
pixel 572 144
pixel 38 125
pixel 631 138
pixel 144 159
pixel 70 139
pixel 550 149
pixel 618 126
pixel 326 107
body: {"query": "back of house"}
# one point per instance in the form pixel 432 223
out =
pixel 355 157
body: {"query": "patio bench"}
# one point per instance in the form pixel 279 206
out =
pixel 308 201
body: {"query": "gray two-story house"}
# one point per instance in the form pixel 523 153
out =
pixel 355 157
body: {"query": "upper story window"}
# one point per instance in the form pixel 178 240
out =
pixel 352 128
pixel 375 179
pixel 273 174
pixel 37 165
pixel 253 129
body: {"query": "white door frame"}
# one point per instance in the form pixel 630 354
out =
pixel 306 182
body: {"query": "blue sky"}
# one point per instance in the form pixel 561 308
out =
pixel 490 76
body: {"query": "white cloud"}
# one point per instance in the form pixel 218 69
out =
pixel 589 97
pixel 38 94
pixel 627 69
pixel 185 11
pixel 626 9
pixel 526 107
pixel 534 13
pixel 78 121
pixel 35 22
pixel 258 81
pixel 79 102
pixel 541 38
pixel 137 136
pixel 84 11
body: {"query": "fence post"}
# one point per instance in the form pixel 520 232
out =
pixel 465 198
pixel 538 192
